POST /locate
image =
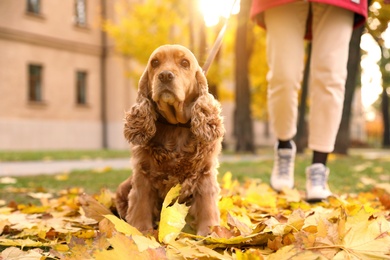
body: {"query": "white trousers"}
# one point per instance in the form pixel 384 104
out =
pixel 331 30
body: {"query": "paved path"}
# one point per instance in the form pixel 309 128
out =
pixel 53 167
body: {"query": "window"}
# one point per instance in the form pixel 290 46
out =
pixel 35 82
pixel 81 87
pixel 80 12
pixel 34 6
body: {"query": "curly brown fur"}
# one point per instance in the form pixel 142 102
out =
pixel 176 131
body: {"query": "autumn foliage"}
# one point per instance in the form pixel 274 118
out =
pixel 256 223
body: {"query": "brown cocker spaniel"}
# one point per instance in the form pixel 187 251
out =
pixel 176 131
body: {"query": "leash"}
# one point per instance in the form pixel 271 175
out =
pixel 217 44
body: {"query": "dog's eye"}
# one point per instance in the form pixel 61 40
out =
pixel 155 63
pixel 185 63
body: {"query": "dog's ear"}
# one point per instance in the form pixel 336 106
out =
pixel 140 124
pixel 202 82
pixel 206 119
pixel 143 85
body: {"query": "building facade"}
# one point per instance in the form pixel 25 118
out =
pixel 61 84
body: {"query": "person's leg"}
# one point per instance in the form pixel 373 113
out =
pixel 285 27
pixel 332 30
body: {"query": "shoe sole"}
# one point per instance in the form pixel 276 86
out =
pixel 314 200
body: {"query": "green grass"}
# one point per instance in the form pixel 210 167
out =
pixel 346 174
pixel 61 155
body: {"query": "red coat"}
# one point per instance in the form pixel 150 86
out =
pixel 359 7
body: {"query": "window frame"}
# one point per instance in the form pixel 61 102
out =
pixel 35 82
pixel 32 8
pixel 81 87
pixel 77 17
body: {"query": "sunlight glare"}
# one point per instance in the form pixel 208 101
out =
pixel 371 76
pixel 213 10
pixel 386 36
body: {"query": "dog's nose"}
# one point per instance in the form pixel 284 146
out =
pixel 166 76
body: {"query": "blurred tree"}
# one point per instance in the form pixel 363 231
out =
pixel 243 127
pixel 385 70
pixel 258 71
pixel 378 22
pixel 143 26
pixel 353 67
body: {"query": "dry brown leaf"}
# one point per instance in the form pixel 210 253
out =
pixel 92 208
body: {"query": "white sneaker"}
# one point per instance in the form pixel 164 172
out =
pixel 283 171
pixel 317 187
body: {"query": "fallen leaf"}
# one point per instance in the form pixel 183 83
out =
pixel 14 253
pixel 172 218
pixel 123 248
pixel 62 177
pixel 8 180
pixel 122 226
pixel 92 208
pixel 367 237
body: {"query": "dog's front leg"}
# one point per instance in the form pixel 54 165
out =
pixel 205 205
pixel 142 200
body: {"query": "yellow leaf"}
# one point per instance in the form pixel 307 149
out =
pixel 21 243
pixel 378 169
pixel 105 198
pixel 366 236
pixel 290 252
pixel 172 222
pixel 261 195
pixel 42 234
pixel 85 234
pixel 225 241
pixel 33 209
pixel 62 177
pixel 172 218
pixel 3 224
pixel 173 193
pixel 250 254
pixel 332 157
pixel 61 247
pixel 295 221
pixel 189 249
pixel 227 181
pixel 124 248
pixel 243 224
pixel 144 243
pixel 225 205
pixel 122 226
pixel 292 195
pixel 274 226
